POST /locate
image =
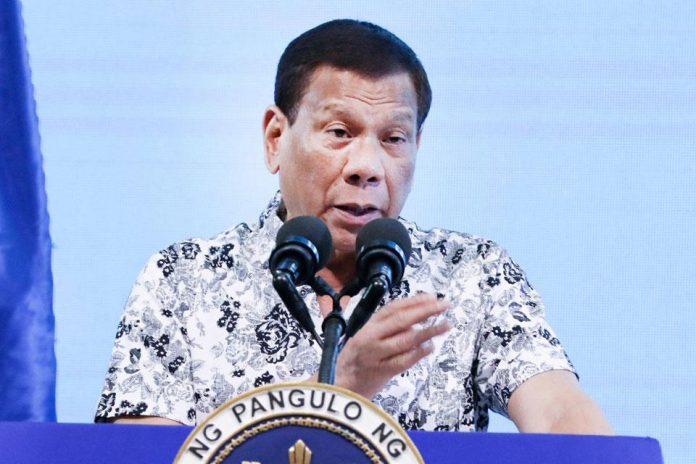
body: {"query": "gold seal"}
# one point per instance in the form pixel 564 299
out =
pixel 251 418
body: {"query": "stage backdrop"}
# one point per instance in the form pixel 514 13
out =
pixel 566 131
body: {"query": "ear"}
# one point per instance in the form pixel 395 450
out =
pixel 274 125
pixel 418 137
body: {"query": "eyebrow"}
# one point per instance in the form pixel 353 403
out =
pixel 339 110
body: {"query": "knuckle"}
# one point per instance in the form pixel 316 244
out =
pixel 403 343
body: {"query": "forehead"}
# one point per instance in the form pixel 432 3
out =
pixel 332 89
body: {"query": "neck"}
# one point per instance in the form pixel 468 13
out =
pixel 340 271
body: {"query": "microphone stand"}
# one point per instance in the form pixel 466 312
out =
pixel 284 285
pixel 334 326
pixel 367 304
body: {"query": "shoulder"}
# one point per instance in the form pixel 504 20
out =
pixel 452 246
pixel 217 252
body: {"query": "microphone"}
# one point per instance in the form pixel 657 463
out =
pixel 384 248
pixel 303 246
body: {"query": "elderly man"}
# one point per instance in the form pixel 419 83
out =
pixel 463 333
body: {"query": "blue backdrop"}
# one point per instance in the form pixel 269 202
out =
pixel 27 358
pixel 563 130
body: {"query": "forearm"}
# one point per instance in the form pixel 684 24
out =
pixel 145 420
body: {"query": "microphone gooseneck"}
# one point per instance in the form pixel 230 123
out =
pixel 303 247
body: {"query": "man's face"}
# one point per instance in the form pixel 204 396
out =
pixel 350 155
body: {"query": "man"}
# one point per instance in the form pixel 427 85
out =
pixel 464 331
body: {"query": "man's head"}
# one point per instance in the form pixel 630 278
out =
pixel 357 46
pixel 344 142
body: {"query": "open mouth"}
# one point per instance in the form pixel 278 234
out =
pixel 357 210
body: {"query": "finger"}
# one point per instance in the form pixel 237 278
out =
pixel 431 332
pixel 405 304
pixel 401 362
pixel 413 338
pixel 402 317
pixel 398 308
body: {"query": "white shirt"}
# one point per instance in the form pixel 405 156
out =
pixel 203 324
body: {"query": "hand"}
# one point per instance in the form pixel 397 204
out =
pixel 389 344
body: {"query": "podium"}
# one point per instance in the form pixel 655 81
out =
pixel 23 442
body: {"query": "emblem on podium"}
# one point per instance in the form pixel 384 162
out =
pixel 298 423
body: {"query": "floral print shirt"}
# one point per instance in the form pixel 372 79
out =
pixel 203 324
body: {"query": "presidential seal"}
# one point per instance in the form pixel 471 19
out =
pixel 298 423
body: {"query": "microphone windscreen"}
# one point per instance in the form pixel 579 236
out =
pixel 312 229
pixel 384 229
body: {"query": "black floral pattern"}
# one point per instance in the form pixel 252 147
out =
pixel 126 408
pixel 124 328
pixel 277 333
pixel 230 315
pixel 158 345
pixel 219 256
pixel 194 334
pixel 263 379
pixel 512 272
pixel 173 365
pixel 483 248
pixel 440 245
pixel 506 336
pixel 190 250
pixel 413 421
pixel 402 290
pixel 548 336
pixel 168 258
pixel 106 404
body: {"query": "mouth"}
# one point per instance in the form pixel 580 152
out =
pixel 358 210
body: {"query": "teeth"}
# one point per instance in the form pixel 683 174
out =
pixel 357 210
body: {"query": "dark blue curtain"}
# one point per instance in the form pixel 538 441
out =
pixel 27 357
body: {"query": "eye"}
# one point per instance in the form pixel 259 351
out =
pixel 339 133
pixel 396 139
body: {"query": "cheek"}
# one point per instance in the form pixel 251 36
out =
pixel 293 162
pixel 400 185
pixel 316 166
pixel 306 175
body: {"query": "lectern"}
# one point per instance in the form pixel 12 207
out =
pixel 110 443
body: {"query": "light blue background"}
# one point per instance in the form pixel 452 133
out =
pixel 566 131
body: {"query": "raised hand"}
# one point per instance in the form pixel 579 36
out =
pixel 391 342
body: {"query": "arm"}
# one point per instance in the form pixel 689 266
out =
pixel 553 402
pixel 150 357
pixel 145 420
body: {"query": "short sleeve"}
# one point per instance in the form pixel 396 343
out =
pixel 149 373
pixel 515 342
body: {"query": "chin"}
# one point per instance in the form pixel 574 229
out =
pixel 343 242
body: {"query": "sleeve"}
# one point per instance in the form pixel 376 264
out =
pixel 515 341
pixel 149 373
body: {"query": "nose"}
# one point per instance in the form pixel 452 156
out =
pixel 363 167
